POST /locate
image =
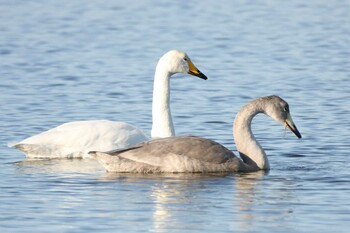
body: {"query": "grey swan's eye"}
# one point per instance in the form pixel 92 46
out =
pixel 286 109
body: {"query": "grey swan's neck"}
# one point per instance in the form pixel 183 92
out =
pixel 162 123
pixel 250 150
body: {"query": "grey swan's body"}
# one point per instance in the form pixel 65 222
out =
pixel 195 154
pixel 76 139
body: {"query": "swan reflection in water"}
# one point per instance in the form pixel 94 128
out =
pixel 200 196
pixel 163 199
pixel 58 166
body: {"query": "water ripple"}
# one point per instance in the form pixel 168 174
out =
pixel 96 61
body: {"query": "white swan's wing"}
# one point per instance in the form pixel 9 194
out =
pixel 74 139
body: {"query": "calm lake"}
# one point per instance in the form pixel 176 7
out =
pixel 71 60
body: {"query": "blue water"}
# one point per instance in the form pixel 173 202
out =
pixel 72 60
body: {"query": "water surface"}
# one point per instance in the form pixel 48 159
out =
pixel 63 61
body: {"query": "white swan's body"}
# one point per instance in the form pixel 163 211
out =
pixel 194 154
pixel 75 139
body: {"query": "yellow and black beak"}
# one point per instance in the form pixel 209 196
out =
pixel 194 71
pixel 291 126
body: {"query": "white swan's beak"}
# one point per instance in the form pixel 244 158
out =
pixel 194 71
pixel 291 126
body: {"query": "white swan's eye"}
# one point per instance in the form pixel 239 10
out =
pixel 185 59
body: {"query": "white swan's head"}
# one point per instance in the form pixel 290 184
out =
pixel 278 109
pixel 176 61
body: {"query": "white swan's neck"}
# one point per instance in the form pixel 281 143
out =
pixel 162 125
pixel 248 147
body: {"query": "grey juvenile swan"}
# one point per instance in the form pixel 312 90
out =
pixel 195 154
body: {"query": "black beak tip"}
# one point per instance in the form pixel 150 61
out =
pixel 202 76
pixel 294 129
pixel 297 133
pixel 198 74
pixel 299 136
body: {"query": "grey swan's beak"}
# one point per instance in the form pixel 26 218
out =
pixel 291 126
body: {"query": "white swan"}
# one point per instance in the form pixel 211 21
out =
pixel 194 154
pixel 75 139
